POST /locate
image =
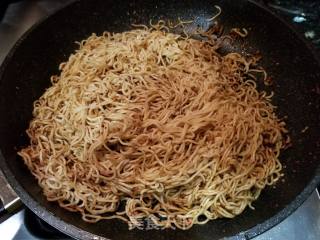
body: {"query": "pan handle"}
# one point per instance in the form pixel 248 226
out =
pixel 9 201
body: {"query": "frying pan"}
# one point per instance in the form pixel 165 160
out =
pixel 290 62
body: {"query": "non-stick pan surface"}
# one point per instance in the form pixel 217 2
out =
pixel 289 61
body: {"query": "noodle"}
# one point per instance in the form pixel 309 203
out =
pixel 215 16
pixel 241 32
pixel 146 124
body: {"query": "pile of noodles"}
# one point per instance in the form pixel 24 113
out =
pixel 147 124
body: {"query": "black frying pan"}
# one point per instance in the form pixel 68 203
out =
pixel 289 61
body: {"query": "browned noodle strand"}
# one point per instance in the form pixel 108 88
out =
pixel 162 125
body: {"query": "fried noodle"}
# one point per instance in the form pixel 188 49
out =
pixel 145 124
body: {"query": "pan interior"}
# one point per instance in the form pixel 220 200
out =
pixel 290 63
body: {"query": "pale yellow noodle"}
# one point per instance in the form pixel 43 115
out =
pixel 215 16
pixel 241 32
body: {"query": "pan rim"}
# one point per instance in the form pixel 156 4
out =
pixel 76 232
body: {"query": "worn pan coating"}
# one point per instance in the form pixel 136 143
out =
pixel 290 62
